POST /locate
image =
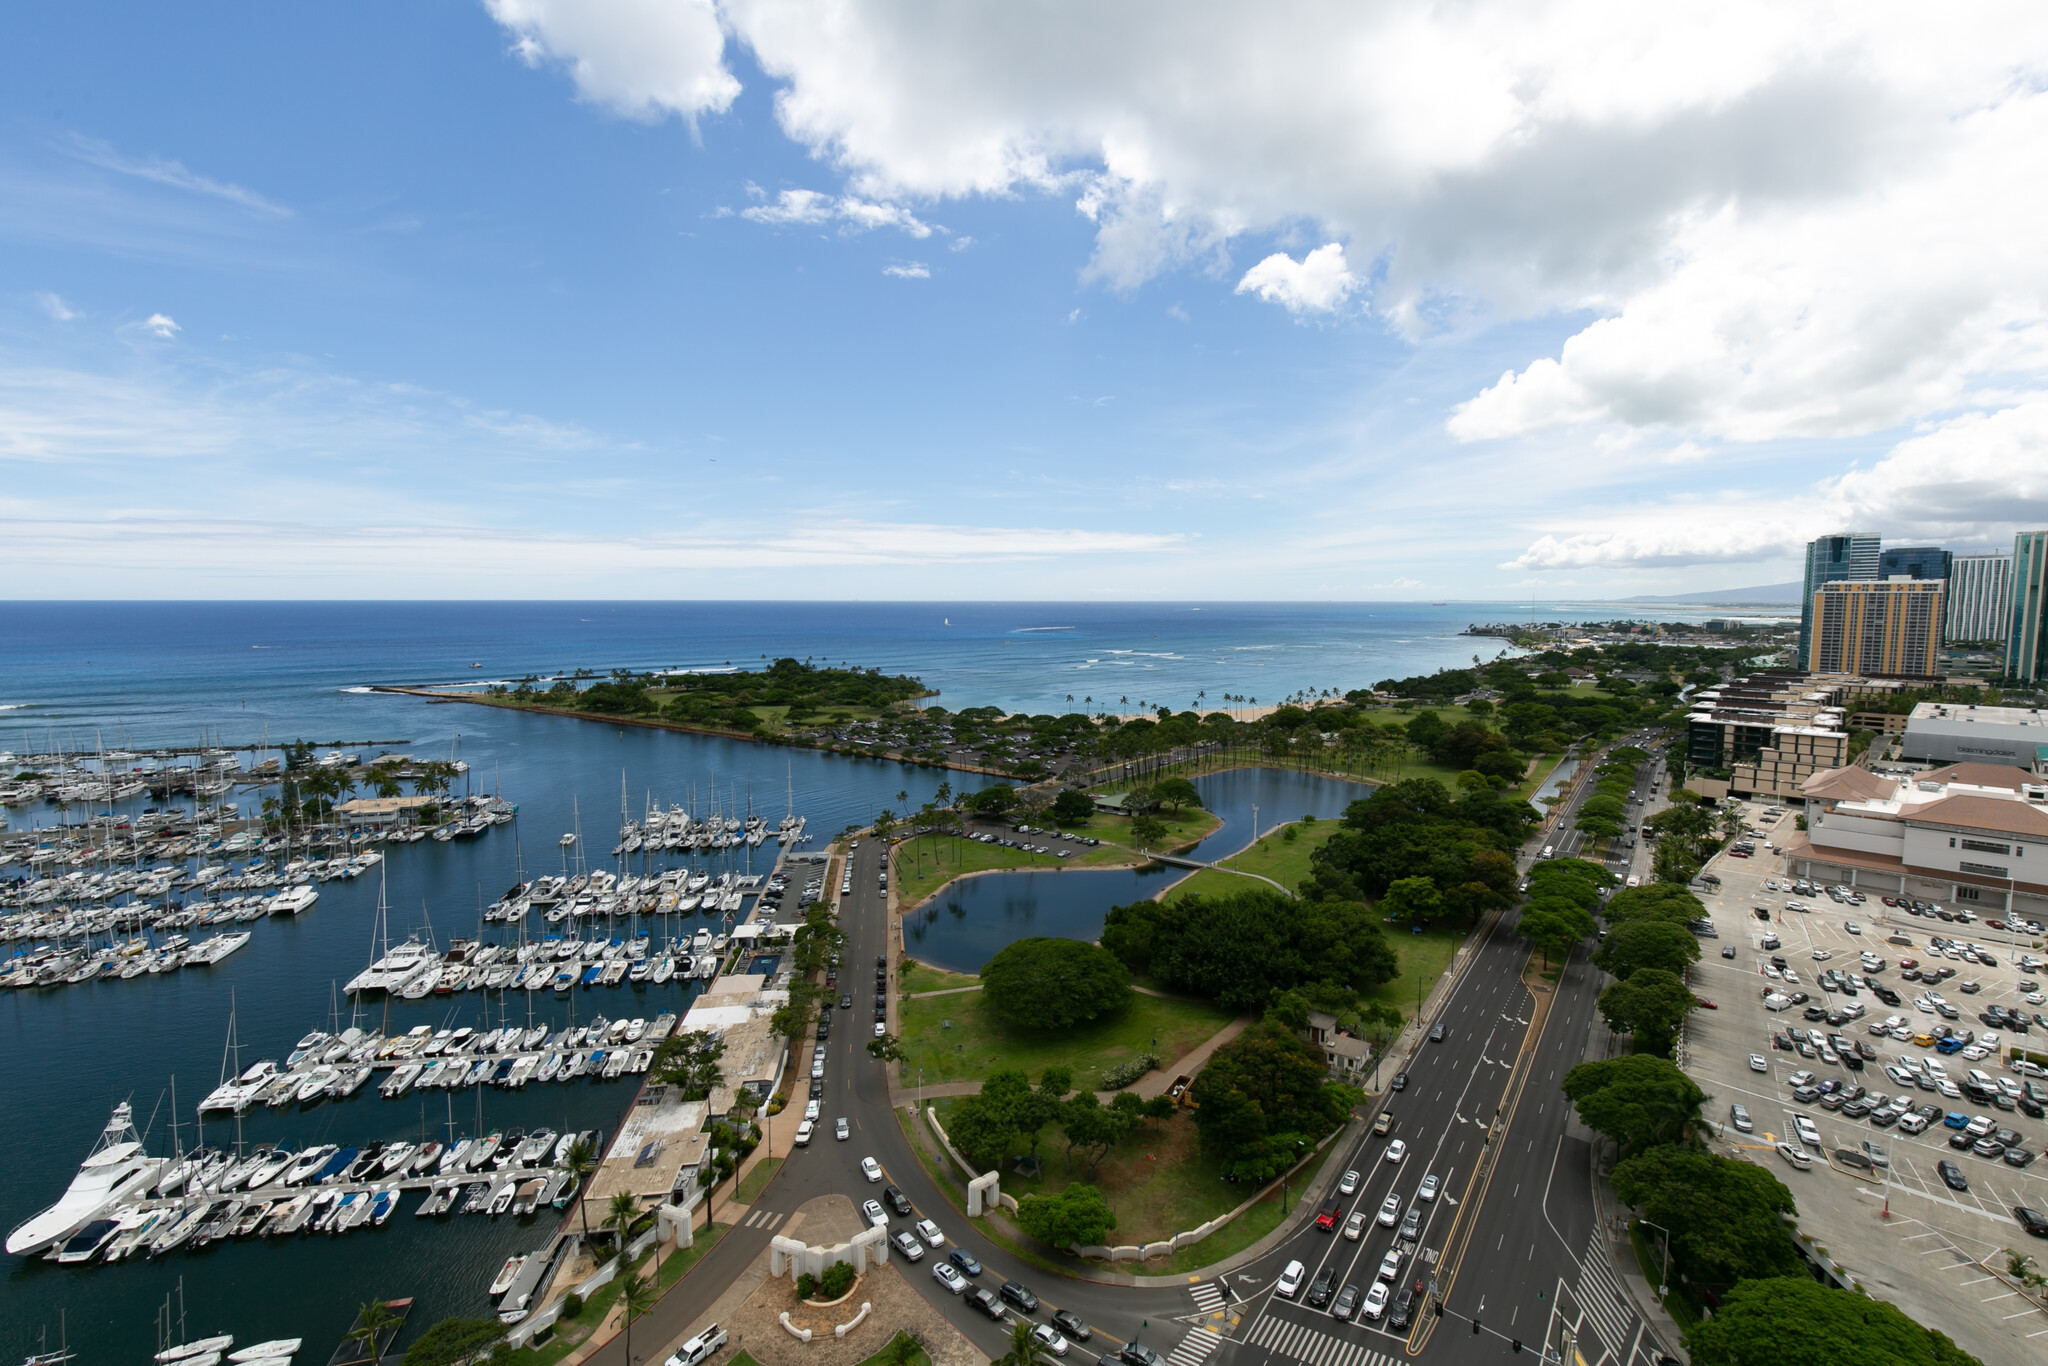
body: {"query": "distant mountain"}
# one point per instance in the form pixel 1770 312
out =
pixel 1766 595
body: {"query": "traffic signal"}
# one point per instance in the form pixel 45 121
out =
pixel 1515 1343
pixel 1475 1327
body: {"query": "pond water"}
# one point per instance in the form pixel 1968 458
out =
pixel 1555 784
pixel 964 926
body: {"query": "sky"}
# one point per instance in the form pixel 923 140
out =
pixel 836 299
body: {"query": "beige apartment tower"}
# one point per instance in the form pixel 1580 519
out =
pixel 1877 628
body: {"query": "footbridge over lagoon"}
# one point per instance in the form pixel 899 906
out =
pixel 1177 861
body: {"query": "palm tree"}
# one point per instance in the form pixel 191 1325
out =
pixel 636 1296
pixel 619 1216
pixel 1025 1350
pixel 579 1163
pixel 371 1321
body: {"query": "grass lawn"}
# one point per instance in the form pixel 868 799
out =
pixel 1277 857
pixel 757 1180
pixel 1234 1237
pixel 1156 1180
pixel 916 1358
pixel 1190 824
pixel 979 1043
pixel 913 977
pixel 1422 956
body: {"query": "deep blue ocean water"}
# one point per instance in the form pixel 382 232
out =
pixel 85 675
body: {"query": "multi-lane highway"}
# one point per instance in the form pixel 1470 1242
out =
pixel 1530 1258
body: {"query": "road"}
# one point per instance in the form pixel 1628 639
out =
pixel 1531 1259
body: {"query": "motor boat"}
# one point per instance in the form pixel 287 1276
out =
pixel 116 1168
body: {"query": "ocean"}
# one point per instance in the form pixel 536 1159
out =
pixel 87 676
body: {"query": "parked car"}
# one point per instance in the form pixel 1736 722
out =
pixel 947 1275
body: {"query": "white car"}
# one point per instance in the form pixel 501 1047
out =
pixel 1390 1265
pixel 1349 1184
pixel 872 1209
pixel 812 1110
pixel 1989 1038
pixel 1800 1078
pixel 871 1169
pixel 841 1130
pixel 1289 1284
pixel 1808 1134
pixel 945 1275
pixel 1976 1052
pixel 929 1231
pixel 911 1249
pixel 1429 1188
pixel 1376 1300
pixel 1792 977
pixel 1354 1227
pixel 1773 973
pixel 1048 1337
pixel 1397 1150
pixel 881 1028
pixel 1390 1211
pixel 1822 955
pixel 1757 1063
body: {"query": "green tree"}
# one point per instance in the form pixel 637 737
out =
pixel 1797 1319
pixel 636 1296
pixel 1092 1128
pixel 1637 1101
pixel 1656 901
pixel 689 1062
pixel 1240 948
pixel 1025 1350
pixel 1147 831
pixel 1637 944
pixel 1723 1214
pixel 1177 793
pixel 995 802
pixel 1075 1216
pixel 1265 1083
pixel 1651 1005
pixel 455 1340
pixel 373 1319
pixel 1414 899
pixel 1050 983
pixel 888 1048
pixel 1675 863
pixel 1554 927
pixel 580 1161
pixel 1072 807
pixel 619 1215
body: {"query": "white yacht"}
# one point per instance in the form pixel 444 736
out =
pixel 396 969
pixel 116 1168
pixel 293 900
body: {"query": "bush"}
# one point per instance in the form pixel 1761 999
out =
pixel 838 1279
pixel 807 1286
pixel 572 1305
pixel 1124 1073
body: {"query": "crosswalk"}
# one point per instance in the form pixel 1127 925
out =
pixel 1295 1342
pixel 762 1218
pixel 1601 1295
pixel 1208 1296
pixel 1194 1349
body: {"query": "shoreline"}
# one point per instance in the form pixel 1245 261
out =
pixel 685 728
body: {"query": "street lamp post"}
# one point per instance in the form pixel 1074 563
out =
pixel 1664 1273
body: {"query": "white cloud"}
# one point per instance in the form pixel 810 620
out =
pixel 916 270
pixel 810 208
pixel 94 152
pixel 56 307
pixel 643 58
pixel 1779 220
pixel 1970 482
pixel 161 325
pixel 1318 283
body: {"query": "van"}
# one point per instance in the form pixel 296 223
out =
pixel 699 1348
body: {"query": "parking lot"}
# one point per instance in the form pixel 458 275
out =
pixel 1924 1254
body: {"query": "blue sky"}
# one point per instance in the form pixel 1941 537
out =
pixel 632 299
